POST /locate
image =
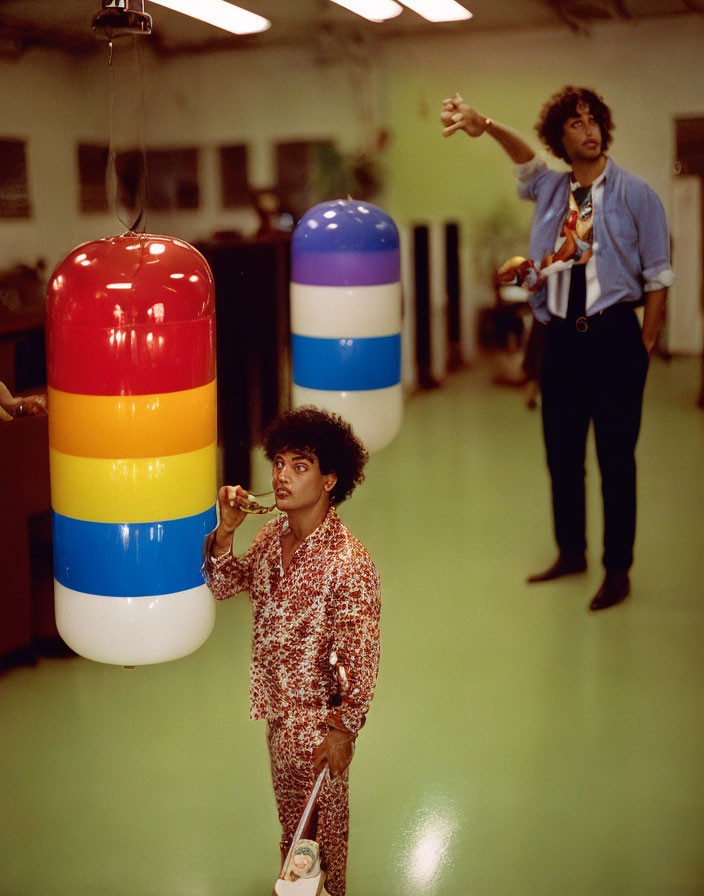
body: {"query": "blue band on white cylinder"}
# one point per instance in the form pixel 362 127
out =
pixel 346 316
pixel 371 363
pixel 130 559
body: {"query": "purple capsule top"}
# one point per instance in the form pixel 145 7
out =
pixel 345 243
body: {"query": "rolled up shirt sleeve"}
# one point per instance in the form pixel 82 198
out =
pixel 528 176
pixel 653 238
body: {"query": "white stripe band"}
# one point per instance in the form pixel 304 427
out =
pixel 134 631
pixel 351 311
pixel 374 414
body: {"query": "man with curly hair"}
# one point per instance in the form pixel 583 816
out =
pixel 315 597
pixel 600 246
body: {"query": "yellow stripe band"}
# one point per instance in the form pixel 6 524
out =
pixel 132 425
pixel 133 490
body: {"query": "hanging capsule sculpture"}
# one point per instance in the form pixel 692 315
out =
pixel 132 438
pixel 346 317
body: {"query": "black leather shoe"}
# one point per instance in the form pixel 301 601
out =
pixel 616 588
pixel 565 565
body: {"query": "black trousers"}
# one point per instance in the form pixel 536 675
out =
pixel 598 374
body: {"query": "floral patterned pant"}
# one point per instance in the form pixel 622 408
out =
pixel 291 743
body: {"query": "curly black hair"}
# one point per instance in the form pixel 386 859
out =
pixel 563 105
pixel 327 436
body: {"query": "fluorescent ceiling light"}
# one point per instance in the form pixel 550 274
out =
pixel 219 13
pixel 374 10
pixel 439 10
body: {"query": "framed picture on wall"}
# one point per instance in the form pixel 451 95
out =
pixel 92 162
pixel 14 188
pixel 234 187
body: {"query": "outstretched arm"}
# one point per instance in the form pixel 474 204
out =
pixel 26 406
pixel 458 116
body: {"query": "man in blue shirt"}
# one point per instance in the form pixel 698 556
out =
pixel 600 247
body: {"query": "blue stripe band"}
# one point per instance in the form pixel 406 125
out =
pixel 130 559
pixel 346 364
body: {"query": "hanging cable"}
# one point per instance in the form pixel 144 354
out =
pixel 127 173
pixel 121 22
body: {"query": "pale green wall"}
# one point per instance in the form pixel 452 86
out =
pixel 649 74
pixel 52 102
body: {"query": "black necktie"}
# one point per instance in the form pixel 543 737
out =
pixel 577 300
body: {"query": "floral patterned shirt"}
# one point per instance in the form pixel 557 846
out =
pixel 328 599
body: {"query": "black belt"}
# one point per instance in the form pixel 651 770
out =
pixel 583 324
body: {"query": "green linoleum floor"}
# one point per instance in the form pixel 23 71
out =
pixel 517 746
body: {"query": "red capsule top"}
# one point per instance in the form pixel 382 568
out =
pixel 132 315
pixel 124 281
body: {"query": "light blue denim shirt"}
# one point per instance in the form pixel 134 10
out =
pixel 630 230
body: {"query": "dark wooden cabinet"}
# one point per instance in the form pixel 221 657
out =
pixel 27 624
pixel 253 342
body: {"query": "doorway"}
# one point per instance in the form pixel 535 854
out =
pixel 685 326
